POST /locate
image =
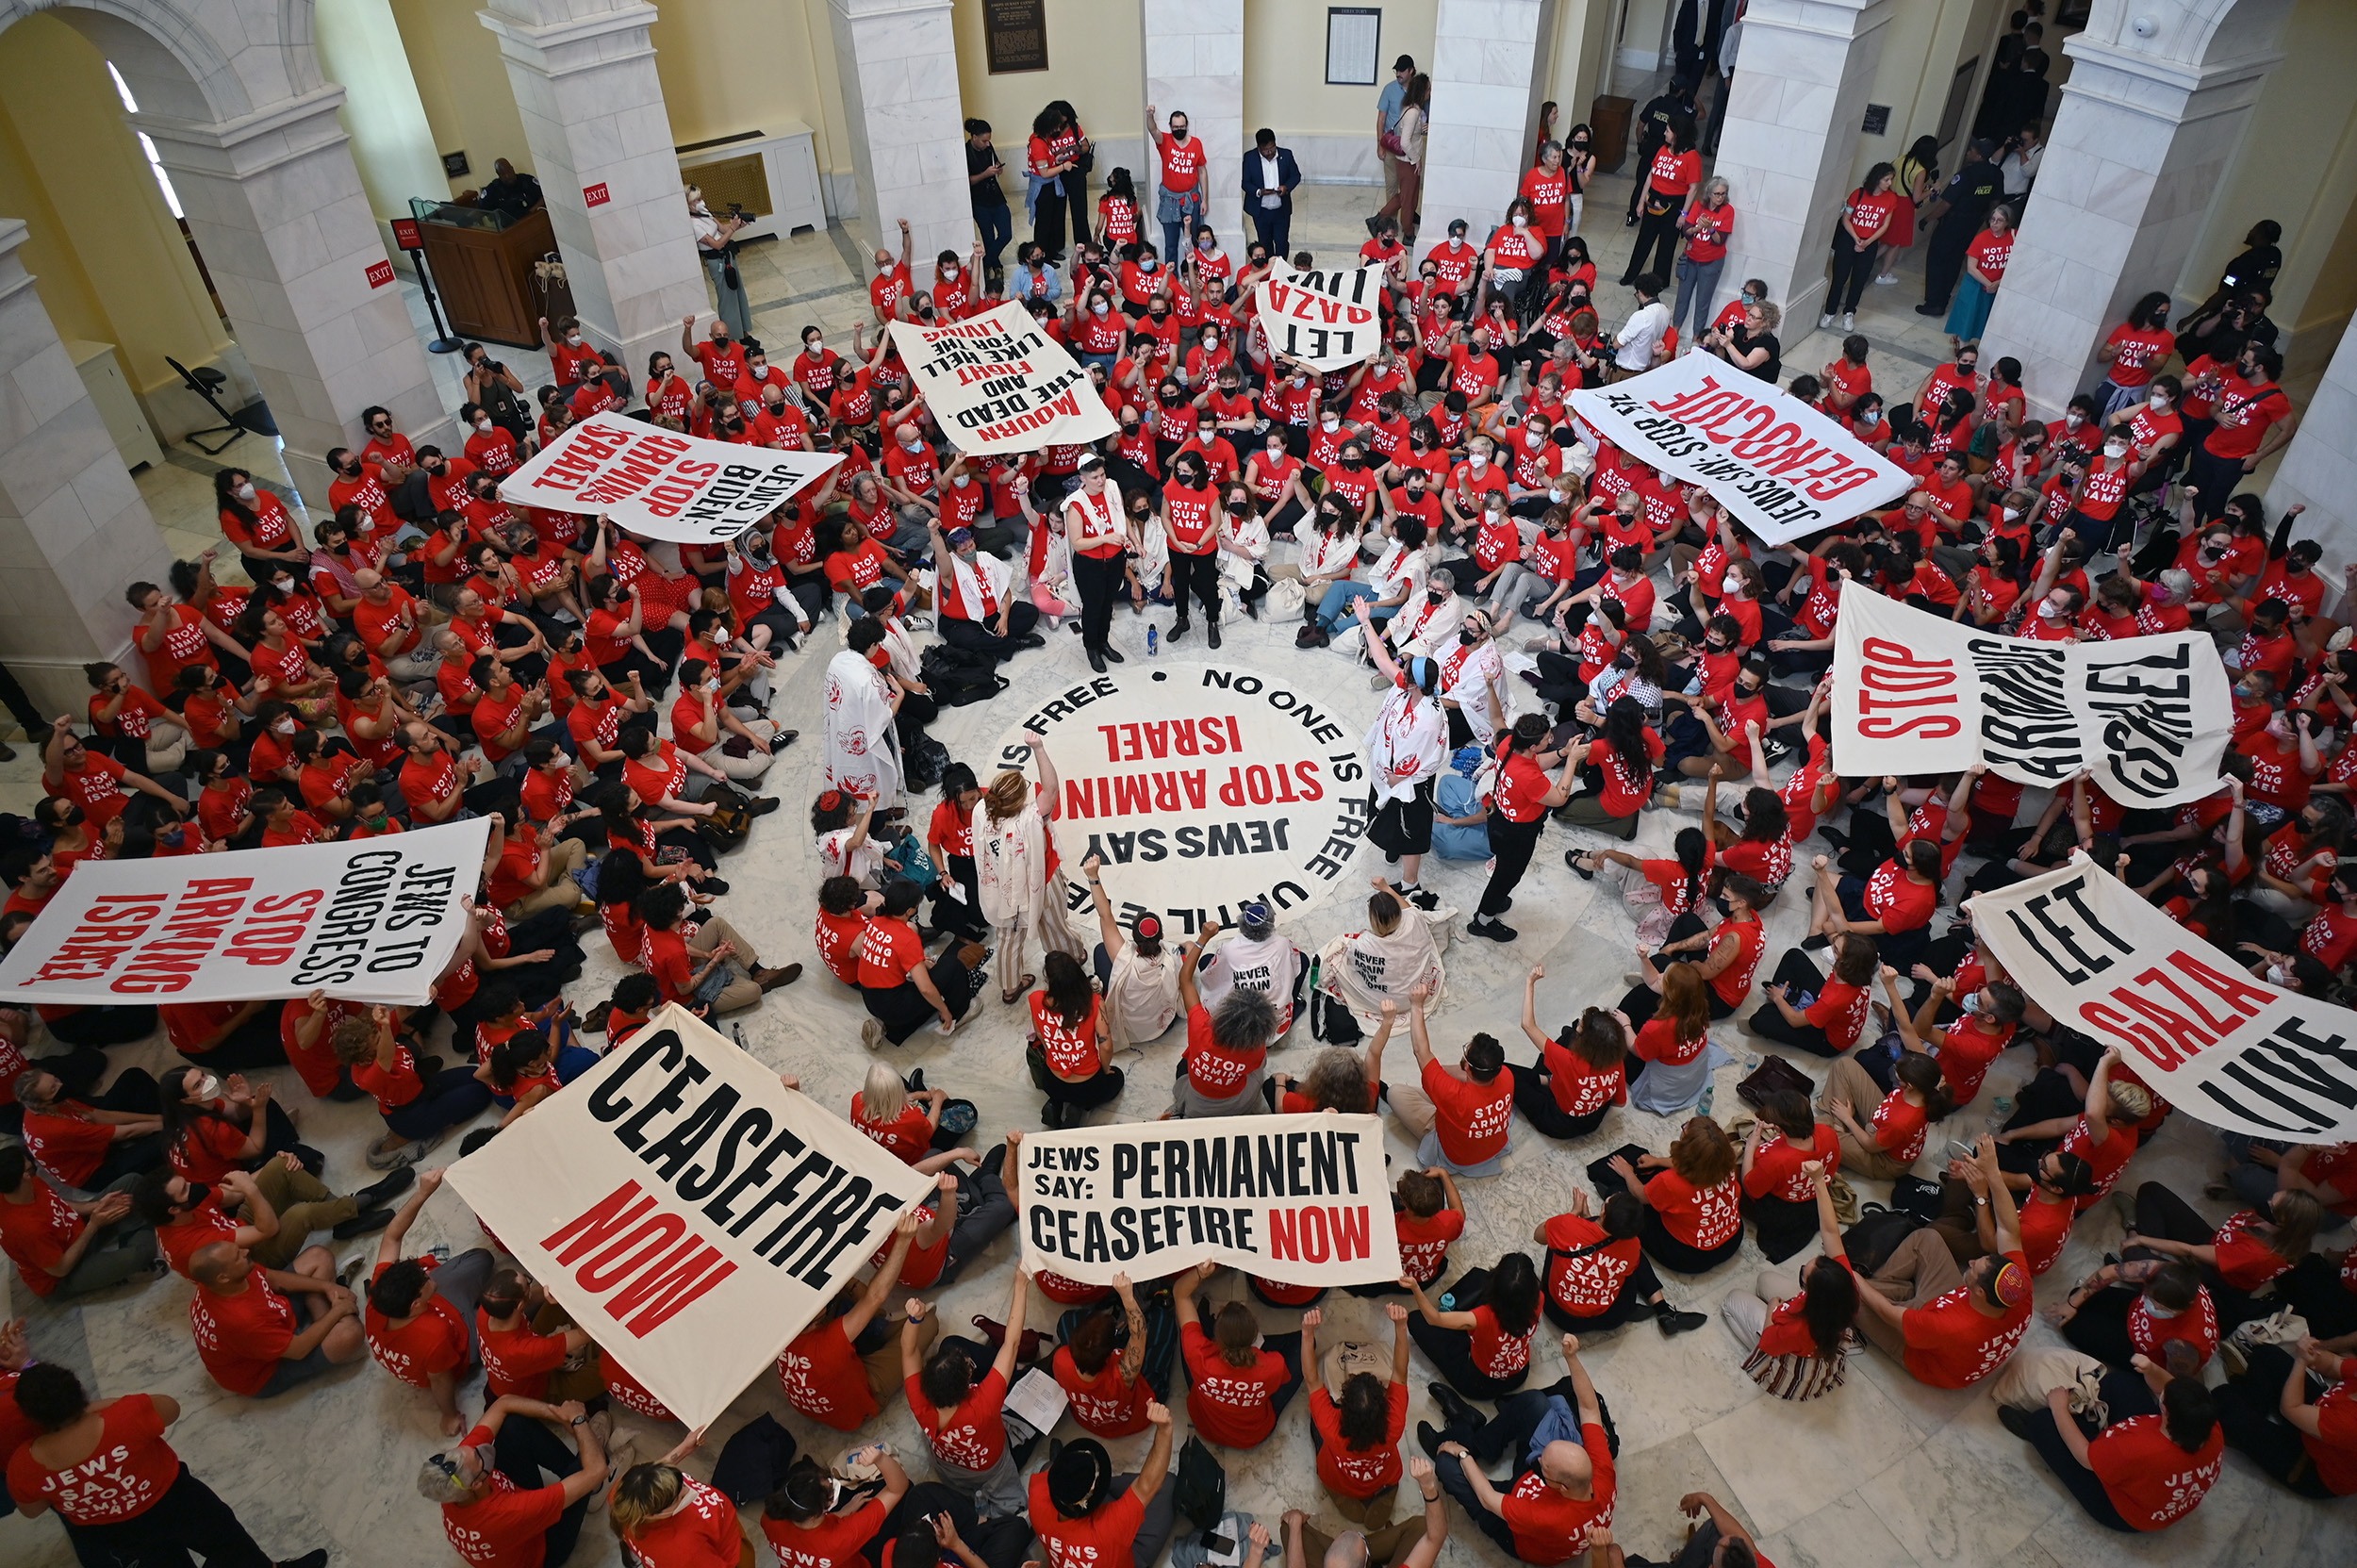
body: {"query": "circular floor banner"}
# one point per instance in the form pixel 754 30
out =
pixel 1202 787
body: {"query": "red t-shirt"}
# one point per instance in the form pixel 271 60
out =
pixel 125 1474
pixel 434 1341
pixel 1229 1405
pixel 36 1235
pixel 1585 1270
pixel 1099 1540
pixel 1550 1527
pixel 1702 1218
pixel 1950 1344
pixel 835 1542
pixel 973 1435
pixel 825 1379
pixel 241 1337
pixel 1349 1473
pixel 703 1534
pixel 517 1360
pixel 2151 1481
pixel 1424 1243
pixel 1106 1405
pixel 1216 1072
pixel 1472 1120
pixel 505 1529
pixel 1785 1333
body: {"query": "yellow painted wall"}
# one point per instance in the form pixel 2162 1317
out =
pixel 111 262
pixel 730 66
pixel 1096 61
pixel 360 49
pixel 462 87
pixel 1923 44
pixel 1576 65
pixel 1284 66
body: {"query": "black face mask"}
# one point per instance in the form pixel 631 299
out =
pixel 1437 596
pixel 1354 462
pixel 198 1193
pixel 1239 508
pixel 1467 635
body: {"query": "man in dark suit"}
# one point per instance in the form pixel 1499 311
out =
pixel 1270 175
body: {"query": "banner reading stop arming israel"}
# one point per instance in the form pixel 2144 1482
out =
pixel 1914 693
pixel 1327 321
pixel 661 484
pixel 997 383
pixel 1783 469
pixel 2220 1045
pixel 1299 1199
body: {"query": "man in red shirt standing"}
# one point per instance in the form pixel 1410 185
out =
pixel 1179 206
pixel 1544 1516
pixel 496 1509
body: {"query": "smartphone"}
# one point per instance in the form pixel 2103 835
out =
pixel 1219 1545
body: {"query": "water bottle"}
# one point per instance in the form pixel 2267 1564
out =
pixel 1153 642
pixel 1702 1106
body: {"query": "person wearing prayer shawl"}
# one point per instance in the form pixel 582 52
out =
pixel 1406 749
pixel 980 612
pixel 863 748
pixel 1387 961
pixel 1427 621
pixel 1014 861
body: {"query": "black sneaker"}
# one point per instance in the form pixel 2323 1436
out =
pixel 1572 858
pixel 1421 898
pixel 368 1222
pixel 1671 1321
pixel 1493 929
pixel 2017 1421
pixel 392 1185
pixel 1178 630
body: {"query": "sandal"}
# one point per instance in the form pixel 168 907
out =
pixel 1008 997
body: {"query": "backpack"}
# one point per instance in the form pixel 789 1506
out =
pixel 1202 1494
pixel 1869 1243
pixel 954 681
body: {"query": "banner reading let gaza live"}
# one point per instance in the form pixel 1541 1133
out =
pixel 374 920
pixel 1781 467
pixel 1203 787
pixel 997 383
pixel 1325 320
pixel 1917 694
pixel 687 1209
pixel 1300 1200
pixel 2195 1025
pixel 660 484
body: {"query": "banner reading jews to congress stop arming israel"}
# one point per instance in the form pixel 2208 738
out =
pixel 687 1209
pixel 997 383
pixel 1327 321
pixel 1783 469
pixel 374 920
pixel 1914 693
pixel 1301 1201
pixel 2218 1043
pixel 661 484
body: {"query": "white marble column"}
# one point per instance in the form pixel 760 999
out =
pixel 73 530
pixel 2137 150
pixel 274 202
pixel 1194 66
pixel 2319 468
pixel 898 63
pixel 592 106
pixel 1795 104
pixel 1486 76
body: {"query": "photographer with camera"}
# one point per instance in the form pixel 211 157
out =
pixel 715 242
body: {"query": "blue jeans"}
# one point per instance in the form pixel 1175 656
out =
pixel 1697 281
pixel 1334 609
pixel 1178 215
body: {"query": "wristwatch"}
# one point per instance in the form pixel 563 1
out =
pixel 581 1420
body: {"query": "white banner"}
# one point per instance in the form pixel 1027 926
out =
pixel 1783 469
pixel 689 1210
pixel 661 484
pixel 1915 693
pixel 1301 1201
pixel 2232 1051
pixel 374 921
pixel 995 383
pixel 1327 321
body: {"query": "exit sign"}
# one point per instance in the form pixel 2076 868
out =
pixel 595 195
pixel 380 273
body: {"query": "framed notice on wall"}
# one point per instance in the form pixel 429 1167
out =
pixel 1014 35
pixel 1354 45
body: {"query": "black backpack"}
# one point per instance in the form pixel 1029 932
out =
pixel 955 680
pixel 1202 1494
pixel 1869 1243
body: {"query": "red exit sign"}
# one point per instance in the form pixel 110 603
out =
pixel 405 234
pixel 380 273
pixel 595 195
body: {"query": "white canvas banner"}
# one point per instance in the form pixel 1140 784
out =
pixel 995 383
pixel 1915 693
pixel 2227 1048
pixel 1297 1200
pixel 1783 470
pixel 687 1209
pixel 1327 321
pixel 373 920
pixel 661 484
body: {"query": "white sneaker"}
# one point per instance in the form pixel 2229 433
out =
pixel 1825 321
pixel 1849 321
pixel 1887 278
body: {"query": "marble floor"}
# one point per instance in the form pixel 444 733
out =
pixel 1884 1474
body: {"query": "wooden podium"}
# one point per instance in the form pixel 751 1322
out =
pixel 482 265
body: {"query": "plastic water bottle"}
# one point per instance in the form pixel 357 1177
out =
pixel 1702 1106
pixel 1153 642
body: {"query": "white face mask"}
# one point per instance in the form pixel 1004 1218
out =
pixel 1149 264
pixel 2012 513
pixel 1535 439
pixel 2158 403
pixel 1301 381
pixel 1210 340
pixel 1099 308
pixel 1731 583
pixel 284 585
pixel 1520 222
pixel 951 271
pixel 484 425
pixel 285 726
pixel 1556 495
pixel 2053 610
pixel 245 492
pixel 1333 424
pixel 1477 461
pixel 2115 449
pixel 815 347
pixel 2279 974
pixel 572 339
pixel 961 481
pixel 205 1087
pixel 2072 422
pixel 884 268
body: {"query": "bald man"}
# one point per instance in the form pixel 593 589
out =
pixel 262 1331
pixel 1410 1543
pixel 1562 1445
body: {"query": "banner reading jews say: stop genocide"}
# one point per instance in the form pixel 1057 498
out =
pixel 995 383
pixel 1917 694
pixel 1301 1201
pixel 2213 1041
pixel 1327 321
pixel 661 484
pixel 687 1209
pixel 1783 469
pixel 374 920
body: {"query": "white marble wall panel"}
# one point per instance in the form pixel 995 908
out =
pixel 897 61
pixel 2319 469
pixel 1194 57
pixel 1485 63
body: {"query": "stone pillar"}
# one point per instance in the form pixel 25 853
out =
pixel 1486 76
pixel 1794 106
pixel 592 106
pixel 275 204
pixel 1194 66
pixel 2319 468
pixel 73 531
pixel 2138 148
pixel 898 63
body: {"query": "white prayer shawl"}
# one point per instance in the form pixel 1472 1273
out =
pixel 971 580
pixel 1266 965
pixel 836 858
pixel 1363 971
pixel 1010 865
pixel 1152 560
pixel 1323 554
pixel 863 748
pixel 1399 564
pixel 1421 627
pixel 1142 998
pixel 1055 567
pixel 901 649
pixel 1469 677
pixel 1403 748
pixel 1252 538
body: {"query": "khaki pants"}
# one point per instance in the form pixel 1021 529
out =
pixel 1854 1083
pixel 886 1372
pixel 1388 1545
pixel 1413 1108
pixel 1391 174
pixel 742 990
pixel 566 856
pixel 302 1205
pixel 744 768
pixel 1920 1269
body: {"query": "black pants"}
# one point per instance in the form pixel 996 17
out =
pixel 1099 583
pixel 533 1456
pixel 1450 1350
pixel 1198 575
pixel 1534 1097
pixel 1797 974
pixel 973 637
pixel 1853 270
pixel 103 1025
pixel 2100 1327
pixel 2249 1408
pixel 1506 1433
pixel 949 914
pixel 1634 1302
pixel 1047 220
pixel 254 1042
pixel 1086 1095
pixel 1559 681
pixel 1782 1226
pixel 1943 261
pixel 2219 480
pixel 189 1517
pixel 1512 843
pixel 903 1010
pixel 1652 232
pixel 2125 1396
pixel 2161 1212
pixel 1672 1253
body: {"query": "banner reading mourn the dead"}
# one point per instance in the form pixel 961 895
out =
pixel 1327 321
pixel 661 484
pixel 1914 693
pixel 373 920
pixel 997 383
pixel 2214 1042
pixel 687 1209
pixel 1783 469
pixel 1301 1201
